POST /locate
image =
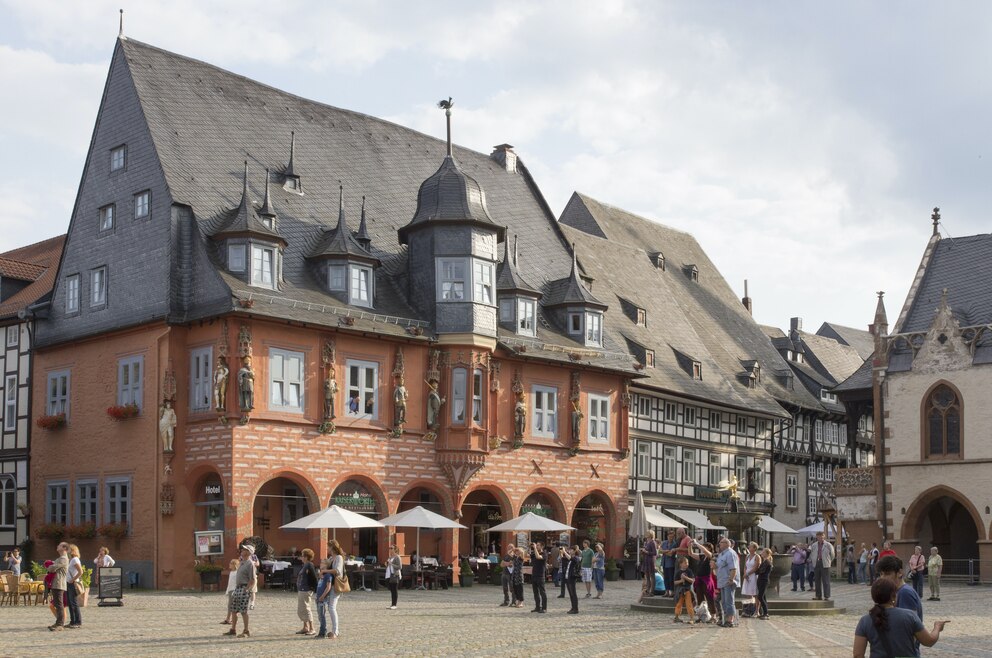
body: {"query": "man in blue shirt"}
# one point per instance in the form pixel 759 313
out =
pixel 890 567
pixel 728 579
pixel 667 552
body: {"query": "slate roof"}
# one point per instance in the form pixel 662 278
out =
pixel 508 276
pixel 571 291
pixel 39 260
pixel 339 242
pixel 861 340
pixel 859 381
pixel 836 360
pixel 702 319
pixel 245 218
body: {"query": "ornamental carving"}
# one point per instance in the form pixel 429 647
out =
pixel 327 356
pixel 494 376
pixel 246 375
pixel 400 394
pixel 519 410
pixel 221 374
pixel 576 413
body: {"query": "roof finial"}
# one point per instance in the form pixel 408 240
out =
pixel 244 190
pixel 340 206
pixel 446 106
pixel 514 249
pixel 292 153
pixel 936 220
pixel 120 33
pixel 266 202
pixel 575 261
pixel 362 237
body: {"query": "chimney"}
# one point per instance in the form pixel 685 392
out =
pixel 505 156
pixel 795 324
pixel 747 300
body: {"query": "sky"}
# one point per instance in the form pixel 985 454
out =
pixel 804 144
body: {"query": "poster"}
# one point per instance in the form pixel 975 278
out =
pixel 209 542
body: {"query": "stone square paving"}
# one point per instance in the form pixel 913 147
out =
pixel 468 622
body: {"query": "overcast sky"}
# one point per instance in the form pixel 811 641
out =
pixel 804 144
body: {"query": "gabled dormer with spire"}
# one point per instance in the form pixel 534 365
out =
pixel 290 178
pixel 576 308
pixel 452 253
pixel 362 237
pixel 517 298
pixel 250 244
pixel 343 265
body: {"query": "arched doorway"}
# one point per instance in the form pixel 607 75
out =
pixel 482 509
pixel 543 502
pixel 943 518
pixel 279 501
pixel 592 518
pixel 430 540
pixel 358 495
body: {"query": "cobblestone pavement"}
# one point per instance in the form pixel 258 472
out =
pixel 468 622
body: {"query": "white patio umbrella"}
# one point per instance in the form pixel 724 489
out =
pixel 418 518
pixel 638 519
pixel 530 522
pixel 333 517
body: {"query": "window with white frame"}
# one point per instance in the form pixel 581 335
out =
pixel 361 285
pixel 688 466
pixel 336 278
pixel 643 459
pixel 294 505
pixel 642 317
pixel 575 324
pixel 118 496
pixel 811 470
pixel 118 157
pixel 10 402
pixel 285 380
pixel 671 412
pixel 526 311
pixel 263 266
pixel 98 286
pixel 828 472
pixel 669 463
pixel 477 396
pixel 506 309
pixel 740 469
pixel 818 431
pixel 86 502
pixel 715 421
pixel 762 428
pixel 792 489
pixel 811 505
pixel 142 204
pixel 363 389
pixel 643 406
pixel 72 293
pixel 129 375
pixel 200 378
pixel 236 257
pixel 8 501
pixel 594 329
pixel 741 425
pixel 459 386
pixel 57 503
pixel 820 471
pixel 58 393
pixel 599 419
pixel 482 279
pixel 649 358
pixel 545 405
pixel 106 214
pixel 451 279
pixel 690 416
pixel 13 333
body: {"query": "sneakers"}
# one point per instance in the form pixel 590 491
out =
pixel 392 607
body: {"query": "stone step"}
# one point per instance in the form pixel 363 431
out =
pixel 784 612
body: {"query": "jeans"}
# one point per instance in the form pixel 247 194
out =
pixel 862 572
pixel 727 600
pixel 331 603
pixel 540 595
pixel 850 573
pixel 669 573
pixel 74 618
pixel 762 608
pixel 918 582
pixel 599 579
pixel 871 573
pixel 505 580
pixel 322 615
pixel 799 576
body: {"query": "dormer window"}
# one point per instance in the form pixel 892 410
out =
pixel 692 272
pixel 649 358
pixel 360 293
pixel 642 317
pixel 263 266
pixel 236 258
pixel 451 279
pixel 336 278
pixel 827 396
pixel 268 222
pixel 697 370
pixel 526 312
pixel 292 184
pixel 594 329
pixel 575 324
pixel 659 261
pixel 118 158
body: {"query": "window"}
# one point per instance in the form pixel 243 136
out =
pixel 58 393
pixel 811 505
pixel 286 380
pixel 336 278
pixel 670 411
pixel 118 158
pixel 715 420
pixel 690 416
pixel 669 463
pixel 200 379
pixel 236 257
pixel 363 389
pixel 459 382
pixel 762 428
pixel 86 502
pixel 10 402
pixel 142 204
pixel 792 489
pixel 599 419
pixel 294 505
pixel 643 459
pixel 820 473
pixel 483 282
pixel 118 501
pixel 828 472
pixel 942 429
pixel 506 310
pixel 268 221
pixel 13 333
pixel 72 293
pixel 129 373
pixel 262 267
pixel 649 358
pixel 714 468
pixel 451 279
pixel 575 323
pixel 643 406
pixel 594 329
pixel 545 406
pixel 477 396
pixel 811 471
pixel 57 503
pixel 697 370
pixel 741 425
pixel 106 217
pixel 818 431
pixel 688 466
pixel 740 469
pixel 642 317
pixel 526 309
pixel 8 501
pixel 98 286
pixel 361 285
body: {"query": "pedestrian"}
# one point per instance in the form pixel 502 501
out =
pixel 394 575
pixel 506 579
pixel 822 554
pixel 890 568
pixel 59 569
pixel 872 563
pixel 704 586
pixel 886 549
pixel 572 567
pixel 892 631
pixel 562 560
pixel 750 587
pixel 246 577
pixel 74 587
pixel 14 561
pixel 935 565
pixel 232 580
pixel 101 560
pixel 728 579
pixel 917 567
pixel 323 589
pixel 764 572
pixel 667 552
pixel 649 551
pixel 684 579
pixel 306 585
pixel 332 595
pixel 849 556
pixel 587 555
pixel 538 569
pixel 798 553
pixel 863 564
pixel 517 578
pixel 599 570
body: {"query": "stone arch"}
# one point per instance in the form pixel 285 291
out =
pixel 267 511
pixel 556 502
pixel 436 488
pixel 475 535
pixel 920 507
pixel 374 486
pixel 608 529
pixel 367 542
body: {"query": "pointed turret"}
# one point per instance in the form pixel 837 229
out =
pixel 517 298
pixel 362 237
pixel 291 179
pixel 880 326
pixel 267 213
pixel 343 265
pixel 508 276
pixel 576 307
pixel 246 220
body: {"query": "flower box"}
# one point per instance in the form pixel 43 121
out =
pixel 115 531
pixel 52 422
pixel 53 531
pixel 124 411
pixel 81 531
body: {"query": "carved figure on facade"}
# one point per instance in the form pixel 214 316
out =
pixel 400 394
pixel 246 386
pixel 221 375
pixel 167 425
pixel 434 403
pixel 330 388
pixel 576 413
pixel 519 411
pixel 494 367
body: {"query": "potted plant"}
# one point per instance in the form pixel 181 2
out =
pixel 53 531
pixel 86 578
pixel 38 572
pixel 209 573
pixel 466 576
pixel 51 422
pixel 124 411
pixel 496 574
pixel 612 570
pixel 81 531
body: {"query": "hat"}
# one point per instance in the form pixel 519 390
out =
pixel 249 548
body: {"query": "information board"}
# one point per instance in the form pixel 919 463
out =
pixel 111 586
pixel 209 542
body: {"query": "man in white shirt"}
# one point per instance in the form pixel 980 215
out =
pixel 822 555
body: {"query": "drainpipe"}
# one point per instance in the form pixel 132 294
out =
pixel 28 316
pixel 880 449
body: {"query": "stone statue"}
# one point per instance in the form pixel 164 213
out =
pixel 167 425
pixel 246 386
pixel 577 416
pixel 519 417
pixel 434 402
pixel 400 396
pixel 220 385
pixel 330 392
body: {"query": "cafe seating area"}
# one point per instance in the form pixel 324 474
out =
pixel 20 591
pixel 363 574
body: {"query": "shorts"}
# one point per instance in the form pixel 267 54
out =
pixel 586 575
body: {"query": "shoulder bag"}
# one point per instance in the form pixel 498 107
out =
pixel 341 584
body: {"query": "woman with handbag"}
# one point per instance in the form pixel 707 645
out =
pixel 75 586
pixel 338 586
pixel 394 574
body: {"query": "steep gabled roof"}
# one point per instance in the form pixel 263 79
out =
pixel 860 380
pixel 836 360
pixel 41 261
pixel 861 340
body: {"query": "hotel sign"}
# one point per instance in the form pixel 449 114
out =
pixel 709 493
pixel 357 501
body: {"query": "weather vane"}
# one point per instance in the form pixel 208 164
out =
pixel 446 106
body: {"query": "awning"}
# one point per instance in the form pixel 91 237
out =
pixel 818 527
pixel 768 524
pixel 658 519
pixel 695 518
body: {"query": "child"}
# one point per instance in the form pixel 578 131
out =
pixel 323 590
pixel 684 578
pixel 231 582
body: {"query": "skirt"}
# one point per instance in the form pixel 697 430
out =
pixel 239 600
